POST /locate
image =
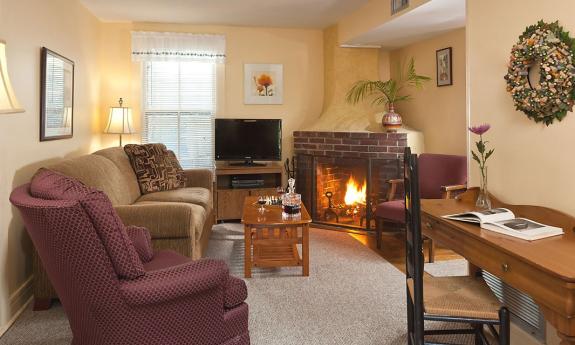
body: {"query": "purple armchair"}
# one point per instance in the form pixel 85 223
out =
pixel 440 177
pixel 168 300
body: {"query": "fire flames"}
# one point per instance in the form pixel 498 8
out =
pixel 354 194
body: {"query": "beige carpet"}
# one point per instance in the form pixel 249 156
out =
pixel 352 296
pixel 449 268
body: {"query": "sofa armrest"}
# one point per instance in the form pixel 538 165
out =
pixel 199 178
pixel 168 284
pixel 142 241
pixel 163 220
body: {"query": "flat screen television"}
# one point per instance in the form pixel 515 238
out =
pixel 248 140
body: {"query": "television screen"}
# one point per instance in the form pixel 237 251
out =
pixel 248 139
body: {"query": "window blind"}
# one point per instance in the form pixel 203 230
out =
pixel 179 108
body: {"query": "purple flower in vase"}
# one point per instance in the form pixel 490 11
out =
pixel 479 130
pixel 481 157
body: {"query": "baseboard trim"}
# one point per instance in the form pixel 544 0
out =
pixel 19 300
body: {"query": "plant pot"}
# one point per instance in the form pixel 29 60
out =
pixel 391 120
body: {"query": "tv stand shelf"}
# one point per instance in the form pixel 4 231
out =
pixel 230 201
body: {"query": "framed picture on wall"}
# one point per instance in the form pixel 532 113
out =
pixel 263 84
pixel 444 69
pixel 56 96
pixel 398 5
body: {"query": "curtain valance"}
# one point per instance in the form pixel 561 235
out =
pixel 171 46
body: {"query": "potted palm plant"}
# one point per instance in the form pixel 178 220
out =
pixel 388 93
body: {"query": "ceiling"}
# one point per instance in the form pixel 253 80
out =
pixel 428 20
pixel 271 13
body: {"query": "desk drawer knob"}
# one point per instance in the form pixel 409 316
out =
pixel 505 267
pixel 429 225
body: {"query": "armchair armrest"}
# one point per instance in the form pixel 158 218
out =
pixel 163 220
pixel 449 191
pixel 188 279
pixel 142 241
pixel 393 188
pixel 199 178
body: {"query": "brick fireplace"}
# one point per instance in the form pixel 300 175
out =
pixel 342 175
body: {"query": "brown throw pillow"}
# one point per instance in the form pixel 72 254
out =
pixel 156 168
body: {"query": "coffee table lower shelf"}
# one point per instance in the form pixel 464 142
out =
pixel 275 255
pixel 276 247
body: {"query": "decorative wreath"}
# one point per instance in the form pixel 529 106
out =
pixel 549 46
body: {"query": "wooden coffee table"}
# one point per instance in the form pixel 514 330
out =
pixel 272 241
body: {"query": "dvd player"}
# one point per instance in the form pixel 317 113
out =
pixel 248 183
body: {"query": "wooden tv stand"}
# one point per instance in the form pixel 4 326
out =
pixel 230 201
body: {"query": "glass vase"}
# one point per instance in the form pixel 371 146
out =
pixel 483 202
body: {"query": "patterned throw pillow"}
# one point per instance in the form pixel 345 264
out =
pixel 156 168
pixel 48 184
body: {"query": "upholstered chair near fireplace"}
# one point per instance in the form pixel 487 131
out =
pixel 440 177
pixel 113 287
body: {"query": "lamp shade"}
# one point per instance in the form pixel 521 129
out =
pixel 8 102
pixel 120 121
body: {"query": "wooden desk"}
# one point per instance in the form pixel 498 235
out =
pixel 274 240
pixel 544 269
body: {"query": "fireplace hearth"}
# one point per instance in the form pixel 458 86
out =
pixel 342 175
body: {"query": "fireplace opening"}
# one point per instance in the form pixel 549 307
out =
pixel 343 192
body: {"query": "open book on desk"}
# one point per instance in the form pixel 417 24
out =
pixel 503 221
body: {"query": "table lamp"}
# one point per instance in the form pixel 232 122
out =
pixel 120 121
pixel 8 102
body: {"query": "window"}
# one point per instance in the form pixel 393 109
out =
pixel 179 108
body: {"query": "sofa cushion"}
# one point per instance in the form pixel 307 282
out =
pixel 156 169
pixel 164 259
pixel 47 184
pixel 98 172
pixel 129 180
pixel 392 210
pixel 193 195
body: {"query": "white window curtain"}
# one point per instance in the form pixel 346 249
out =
pixel 171 46
pixel 179 103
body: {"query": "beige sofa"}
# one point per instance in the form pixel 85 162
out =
pixel 180 220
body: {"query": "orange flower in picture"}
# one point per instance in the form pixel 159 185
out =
pixel 263 84
pixel 265 80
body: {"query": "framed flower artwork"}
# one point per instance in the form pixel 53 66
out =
pixel 444 69
pixel 263 84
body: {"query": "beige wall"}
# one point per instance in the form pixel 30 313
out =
pixel 67 28
pixel 532 164
pixel 343 67
pixel 438 112
pixel 300 51
pixel 368 17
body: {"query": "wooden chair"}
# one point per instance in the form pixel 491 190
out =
pixel 466 300
pixel 443 177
